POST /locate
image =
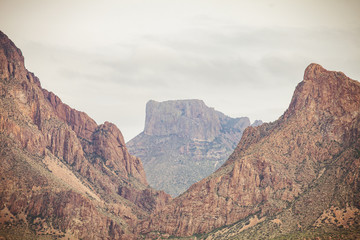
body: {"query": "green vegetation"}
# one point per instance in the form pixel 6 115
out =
pixel 334 233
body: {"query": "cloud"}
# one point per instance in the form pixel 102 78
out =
pixel 243 58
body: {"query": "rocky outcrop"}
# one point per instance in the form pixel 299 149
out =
pixel 105 141
pixel 278 163
pixel 11 60
pixel 190 119
pixel 184 141
pixel 61 172
pixel 148 199
pixel 79 122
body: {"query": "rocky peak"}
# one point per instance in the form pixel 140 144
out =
pixel 186 118
pixel 256 123
pixel 79 137
pixel 278 162
pixel 80 122
pixel 113 130
pixel 9 49
pixel 313 71
pixel 324 90
pixel 11 58
pixel 65 161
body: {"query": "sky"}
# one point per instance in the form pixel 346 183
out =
pixel 244 58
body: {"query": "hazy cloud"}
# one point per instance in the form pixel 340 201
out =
pixel 244 58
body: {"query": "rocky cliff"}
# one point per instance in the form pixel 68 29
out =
pixel 297 175
pixel 63 176
pixel 190 119
pixel 184 141
pixel 60 171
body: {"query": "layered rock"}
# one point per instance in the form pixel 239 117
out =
pixel 61 172
pixel 294 168
pixel 184 141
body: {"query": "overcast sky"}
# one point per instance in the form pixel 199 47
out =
pixel 244 58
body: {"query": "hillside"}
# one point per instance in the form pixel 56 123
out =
pixel 293 177
pixel 62 175
pixel 184 141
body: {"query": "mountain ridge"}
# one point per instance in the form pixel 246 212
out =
pixel 61 172
pixel 65 177
pixel 276 163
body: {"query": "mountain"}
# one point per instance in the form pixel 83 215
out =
pixel 295 178
pixel 62 175
pixel 184 141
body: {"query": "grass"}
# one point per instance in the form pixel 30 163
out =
pixel 21 231
pixel 313 233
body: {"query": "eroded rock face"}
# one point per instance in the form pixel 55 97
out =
pixel 276 162
pixel 79 122
pixel 184 141
pixel 190 119
pixel 11 60
pixel 44 143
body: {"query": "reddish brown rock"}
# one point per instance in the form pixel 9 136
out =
pixel 148 199
pixel 11 59
pixel 62 175
pixel 60 170
pixel 274 163
pixel 108 142
pixel 80 122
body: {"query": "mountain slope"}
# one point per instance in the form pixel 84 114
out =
pixel 184 141
pixel 301 167
pixel 61 173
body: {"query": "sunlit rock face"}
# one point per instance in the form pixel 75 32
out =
pixel 60 171
pixel 308 159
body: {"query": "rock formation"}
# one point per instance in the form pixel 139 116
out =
pixel 183 142
pixel 60 171
pixel 64 176
pixel 290 175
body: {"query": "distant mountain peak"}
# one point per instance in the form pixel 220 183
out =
pixel 186 118
pixel 257 123
pixel 184 141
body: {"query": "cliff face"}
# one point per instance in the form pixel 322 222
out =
pixel 190 119
pixel 299 168
pixel 59 167
pixel 183 142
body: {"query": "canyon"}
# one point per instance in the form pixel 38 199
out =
pixel 63 176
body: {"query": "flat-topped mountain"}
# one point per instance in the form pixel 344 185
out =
pixel 295 178
pixel 184 141
pixel 62 174
pixel 190 119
